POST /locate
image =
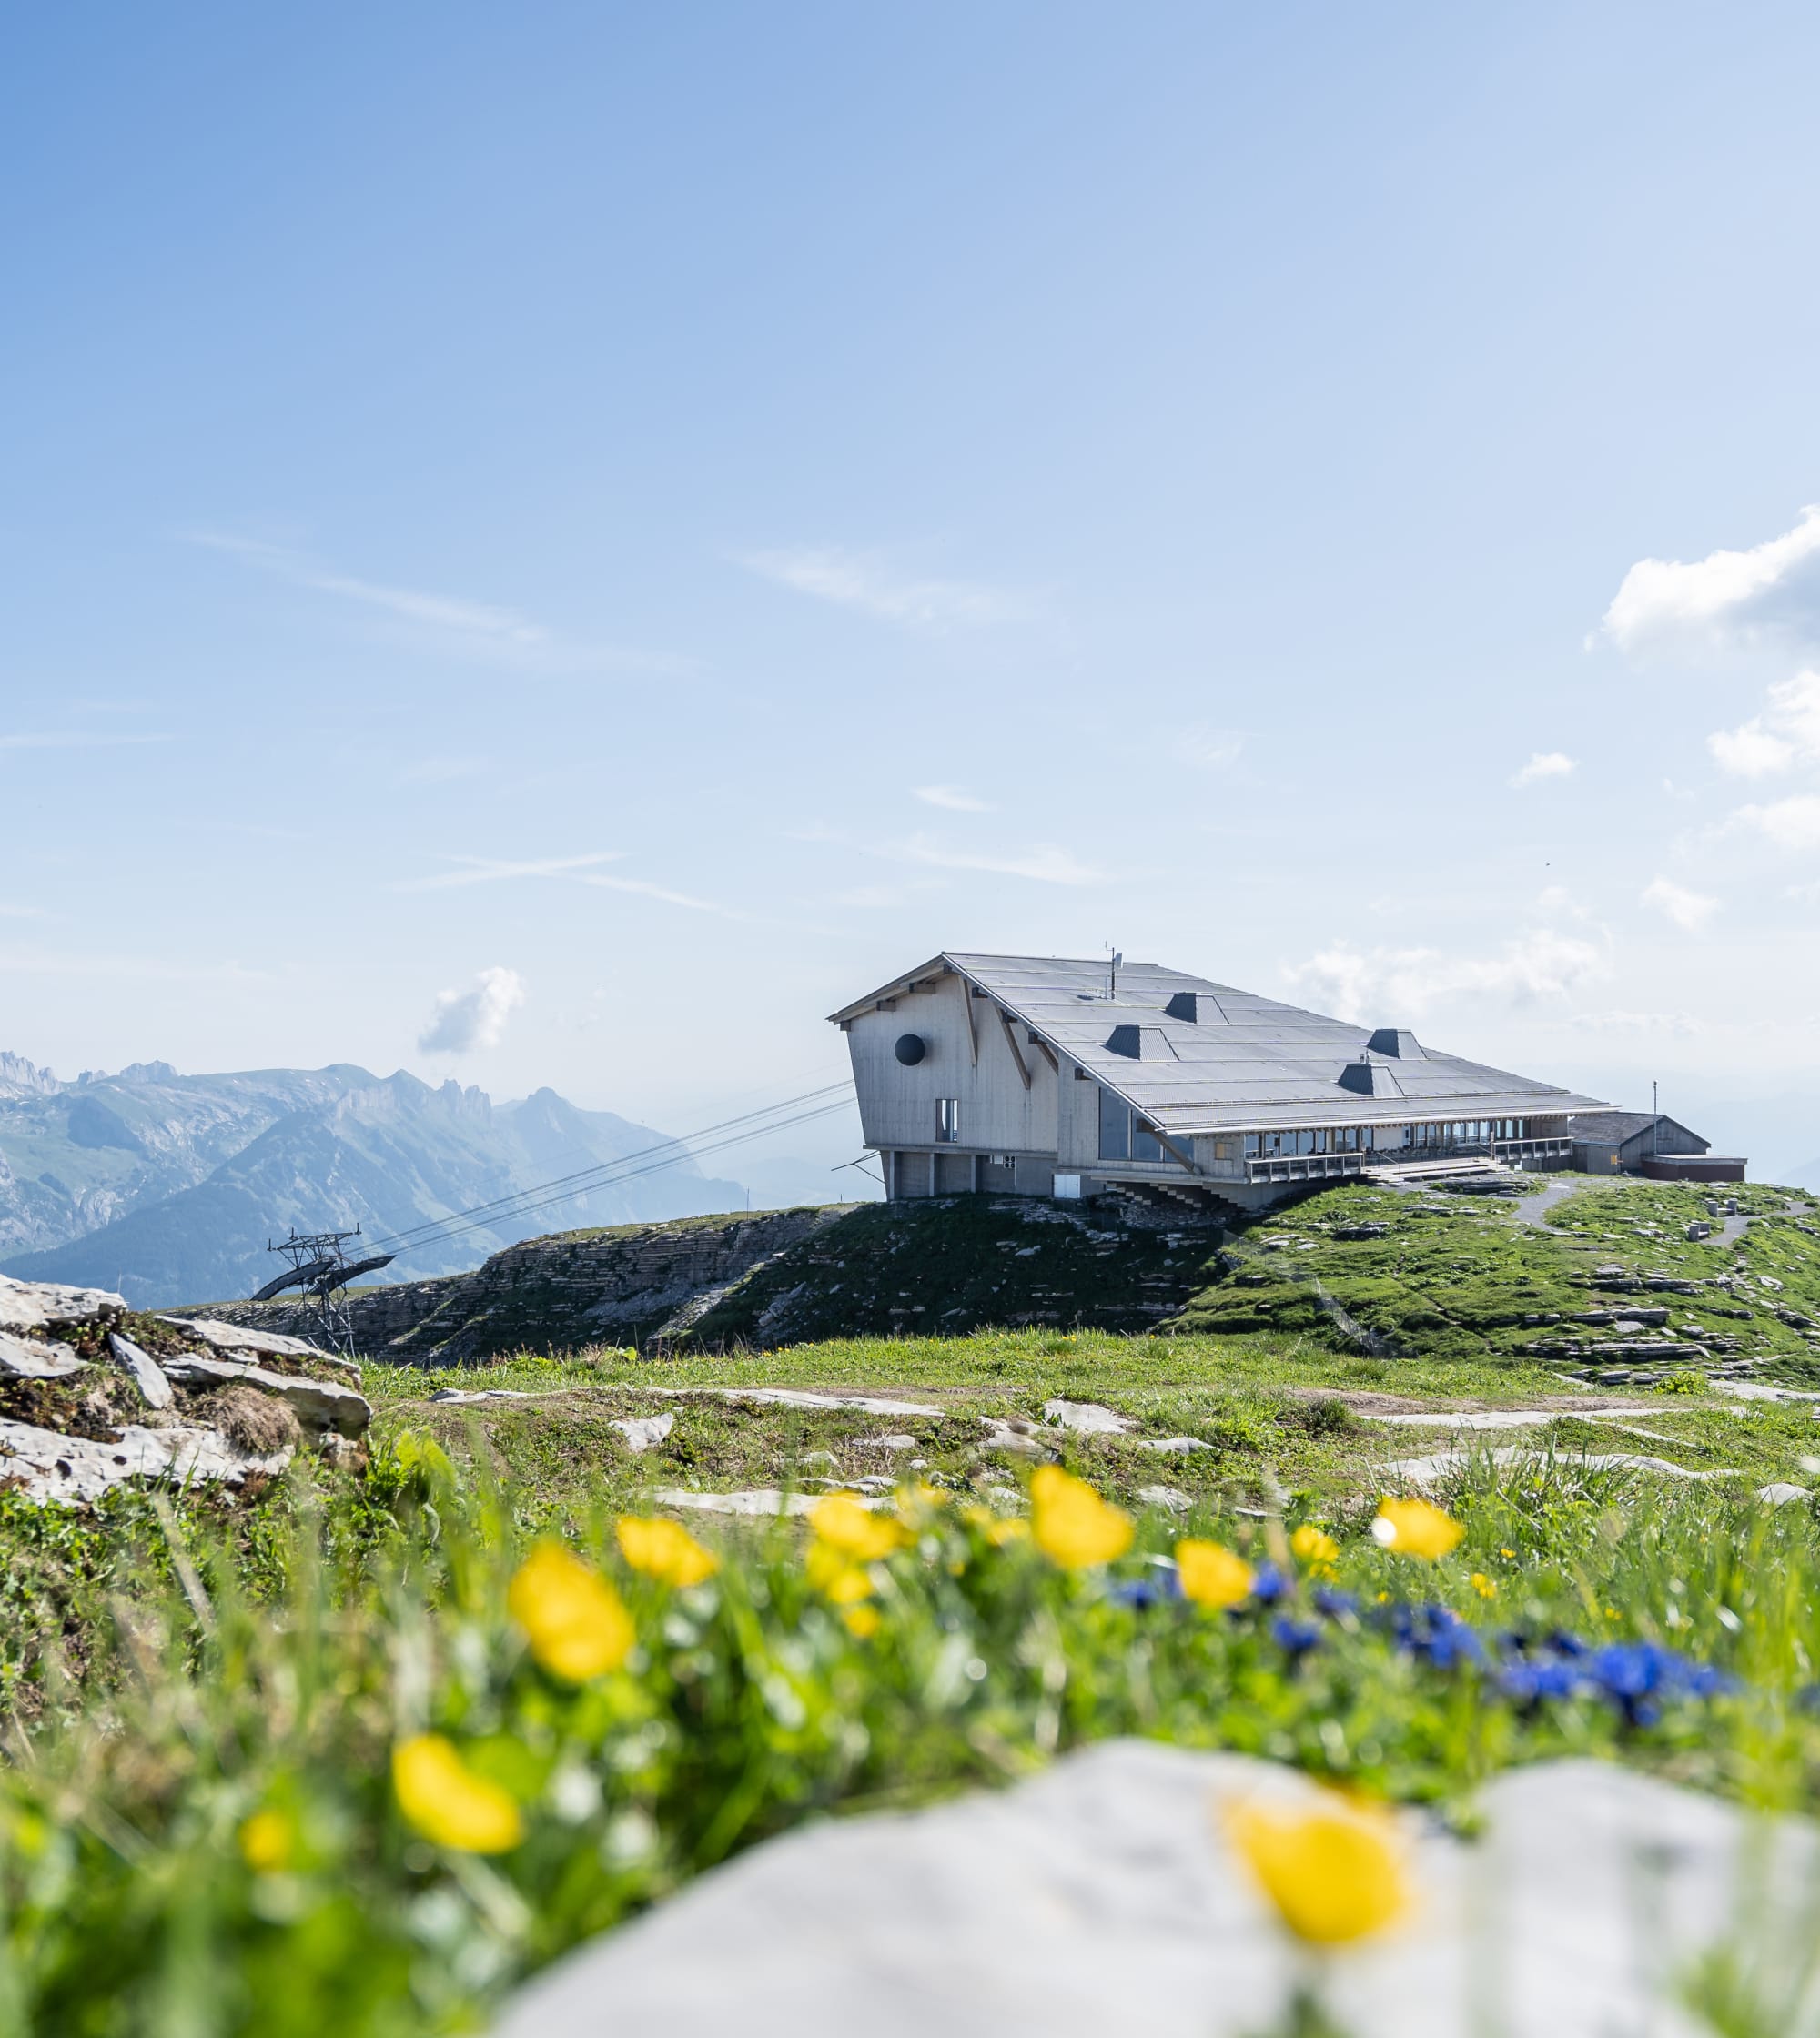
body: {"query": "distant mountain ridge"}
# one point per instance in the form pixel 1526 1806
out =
pixel 169 1186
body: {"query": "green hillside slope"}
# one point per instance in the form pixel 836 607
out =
pixel 1605 1278
pixel 1593 1275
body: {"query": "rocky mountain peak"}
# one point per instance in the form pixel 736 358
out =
pixel 19 1077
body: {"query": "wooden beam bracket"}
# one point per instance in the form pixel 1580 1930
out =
pixel 1011 1042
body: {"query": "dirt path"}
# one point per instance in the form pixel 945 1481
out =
pixel 1534 1210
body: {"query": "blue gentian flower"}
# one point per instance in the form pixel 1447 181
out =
pixel 1269 1585
pixel 1436 1635
pixel 1295 1637
pixel 1638 1676
pixel 1161 1583
pixel 1531 1679
pixel 1334 1604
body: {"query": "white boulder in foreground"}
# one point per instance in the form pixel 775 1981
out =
pixel 1100 1900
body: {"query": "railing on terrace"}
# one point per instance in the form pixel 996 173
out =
pixel 1316 1168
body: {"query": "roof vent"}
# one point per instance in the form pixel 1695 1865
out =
pixel 1128 1041
pixel 1398 1042
pixel 1185 1004
pixel 1370 1079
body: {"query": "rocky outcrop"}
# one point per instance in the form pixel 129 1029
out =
pixel 1107 1895
pixel 632 1284
pixel 93 1396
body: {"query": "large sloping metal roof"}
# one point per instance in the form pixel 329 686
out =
pixel 1243 1062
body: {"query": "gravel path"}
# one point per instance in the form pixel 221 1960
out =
pixel 1533 1209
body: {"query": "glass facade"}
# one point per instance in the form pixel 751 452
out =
pixel 1469 1132
pixel 1320 1139
pixel 1123 1135
pixel 1445 1134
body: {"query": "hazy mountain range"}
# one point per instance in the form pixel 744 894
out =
pixel 169 1186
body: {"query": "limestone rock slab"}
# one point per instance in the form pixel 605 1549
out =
pixel 49 1304
pixel 1101 1898
pixel 321 1404
pixel 799 1397
pixel 37 1358
pixel 154 1389
pixel 46 1465
pixel 644 1432
pixel 751 1500
pixel 1426 1471
pixel 232 1338
pixel 1088 1417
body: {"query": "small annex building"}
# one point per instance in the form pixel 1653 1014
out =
pixel 1039 1075
pixel 1647 1143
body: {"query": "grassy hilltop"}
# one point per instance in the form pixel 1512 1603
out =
pixel 203 1829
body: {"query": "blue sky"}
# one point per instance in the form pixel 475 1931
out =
pixel 558 544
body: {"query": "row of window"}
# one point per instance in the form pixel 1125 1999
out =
pixel 1334 1139
pixel 1123 1135
pixel 1469 1132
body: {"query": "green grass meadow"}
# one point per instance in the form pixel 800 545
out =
pixel 199 1832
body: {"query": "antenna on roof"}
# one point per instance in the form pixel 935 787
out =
pixel 1112 973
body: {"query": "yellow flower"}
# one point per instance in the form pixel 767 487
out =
pixel 917 1501
pixel 833 1572
pixel 447 1803
pixel 577 1624
pixel 1335 1874
pixel 1212 1574
pixel 997 1530
pixel 1416 1530
pixel 1487 1588
pixel 1073 1525
pixel 843 1523
pixel 665 1550
pixel 1315 1548
pixel 268 1841
pixel 1507 1553
pixel 863 1620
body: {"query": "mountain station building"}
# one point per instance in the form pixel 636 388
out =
pixel 1042 1076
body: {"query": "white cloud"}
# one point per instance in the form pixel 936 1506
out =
pixel 1787 732
pixel 1208 748
pixel 1543 764
pixel 643 888
pixel 953 798
pixel 465 1021
pixel 482 619
pixel 1678 1023
pixel 1726 598
pixel 1043 862
pixel 1690 910
pixel 1392 984
pixel 574 870
pixel 484 870
pixel 1750 750
pixel 478 629
pixel 861 580
pixel 1793 823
